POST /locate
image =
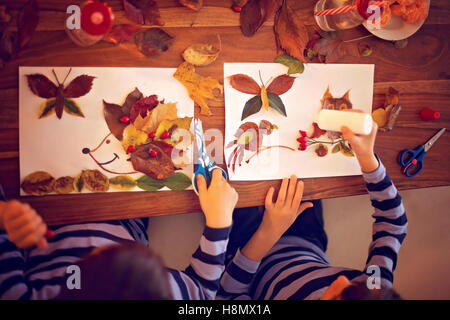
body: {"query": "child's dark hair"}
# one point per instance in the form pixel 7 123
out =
pixel 128 271
pixel 359 291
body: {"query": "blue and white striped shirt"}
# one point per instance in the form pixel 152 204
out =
pixel 38 274
pixel 297 269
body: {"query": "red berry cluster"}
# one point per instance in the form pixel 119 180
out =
pixel 236 8
pixel 302 140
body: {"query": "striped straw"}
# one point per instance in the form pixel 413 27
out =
pixel 347 8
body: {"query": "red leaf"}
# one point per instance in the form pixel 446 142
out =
pixel 79 86
pixel 160 167
pixel 255 13
pixel 167 148
pixel 281 84
pixel 142 106
pixel 121 33
pixel 195 5
pixel 27 22
pixel 317 131
pixel 244 83
pixel 153 41
pixel 131 99
pixel 290 32
pixel 142 12
pixel 41 86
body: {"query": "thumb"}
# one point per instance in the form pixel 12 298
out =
pixel 348 134
pixel 201 184
pixel 304 206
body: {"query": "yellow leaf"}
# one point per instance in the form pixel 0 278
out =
pixel 133 137
pixel 164 111
pixel 47 108
pixel 380 117
pixel 264 98
pixel 177 135
pixel 201 54
pixel 199 88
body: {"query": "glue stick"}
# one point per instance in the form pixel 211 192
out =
pixel 334 120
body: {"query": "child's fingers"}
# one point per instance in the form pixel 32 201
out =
pixel 14 210
pixel 217 175
pixel 33 238
pixel 19 234
pixel 291 189
pixel 25 217
pixel 298 195
pixel 269 198
pixel 304 206
pixel 282 193
pixel 201 183
pixel 42 243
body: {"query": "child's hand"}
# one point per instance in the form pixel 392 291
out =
pixel 363 145
pixel 23 225
pixel 279 215
pixel 217 201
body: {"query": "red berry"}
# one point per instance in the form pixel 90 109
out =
pixel 301 140
pixel 125 119
pixel 130 149
pixel 236 8
pixel 302 147
pixel 165 135
pixel 153 153
pixel 303 133
pixel 152 134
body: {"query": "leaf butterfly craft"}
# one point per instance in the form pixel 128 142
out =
pixel 59 98
pixel 264 96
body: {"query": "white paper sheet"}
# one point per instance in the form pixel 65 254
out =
pixel 55 145
pixel 302 104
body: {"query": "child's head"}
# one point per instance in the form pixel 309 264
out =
pixel 127 271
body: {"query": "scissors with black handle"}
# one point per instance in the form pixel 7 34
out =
pixel 411 160
pixel 204 165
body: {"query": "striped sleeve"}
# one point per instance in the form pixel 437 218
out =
pixel 12 280
pixel 389 228
pixel 200 280
pixel 236 280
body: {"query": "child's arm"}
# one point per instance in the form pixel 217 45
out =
pixel 277 218
pixel 201 279
pixel 389 228
pixel 20 227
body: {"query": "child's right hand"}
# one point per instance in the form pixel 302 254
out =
pixel 23 225
pixel 217 201
pixel 363 146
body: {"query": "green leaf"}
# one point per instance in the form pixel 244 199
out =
pixel 149 184
pixel 72 108
pixel 336 148
pixel 294 65
pixel 364 49
pixel 123 182
pixel 47 108
pixel 276 103
pixel 252 106
pixel 346 150
pixel 178 181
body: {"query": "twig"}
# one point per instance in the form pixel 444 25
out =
pixel 267 148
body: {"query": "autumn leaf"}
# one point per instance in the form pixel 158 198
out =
pixel 120 33
pixel 172 126
pixel 276 103
pixel 317 132
pixel 380 117
pixel 64 185
pixel 199 88
pixel 133 137
pixel 122 182
pixel 281 84
pixel 321 150
pixel 178 181
pixel 391 97
pixel 244 83
pixel 143 12
pixel 201 54
pixel 153 41
pixel 27 22
pixel 112 113
pixel 38 183
pixel 167 111
pixel 159 167
pixel 143 106
pixel 79 86
pixel 364 49
pixel 195 5
pixel 290 32
pixel 255 13
pixel 252 106
pixel 41 86
pixel 336 148
pixel 149 184
pixel 130 100
pixel 70 106
pixel 95 181
pixel 78 183
pixel 294 65
pixel 346 150
pixel 330 49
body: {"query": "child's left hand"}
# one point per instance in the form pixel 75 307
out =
pixel 23 225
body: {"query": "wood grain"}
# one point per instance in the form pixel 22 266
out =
pixel 420 72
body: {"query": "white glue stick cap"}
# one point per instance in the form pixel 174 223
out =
pixel 334 120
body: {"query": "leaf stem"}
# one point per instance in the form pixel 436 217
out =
pixel 356 39
pixel 267 148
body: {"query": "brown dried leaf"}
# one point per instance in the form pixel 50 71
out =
pixel 112 113
pixel 195 5
pixel 164 111
pixel 244 83
pixel 290 32
pixel 64 185
pixel 143 12
pixel 95 181
pixel 120 33
pixel 41 86
pixel 131 99
pixel 27 22
pixel 153 41
pixel 281 84
pixel 317 132
pixel 79 86
pixel 255 13
pixel 159 167
pixel 391 97
pixel 143 106
pixel 38 183
pixel 321 150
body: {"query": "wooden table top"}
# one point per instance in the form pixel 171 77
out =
pixel 421 72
